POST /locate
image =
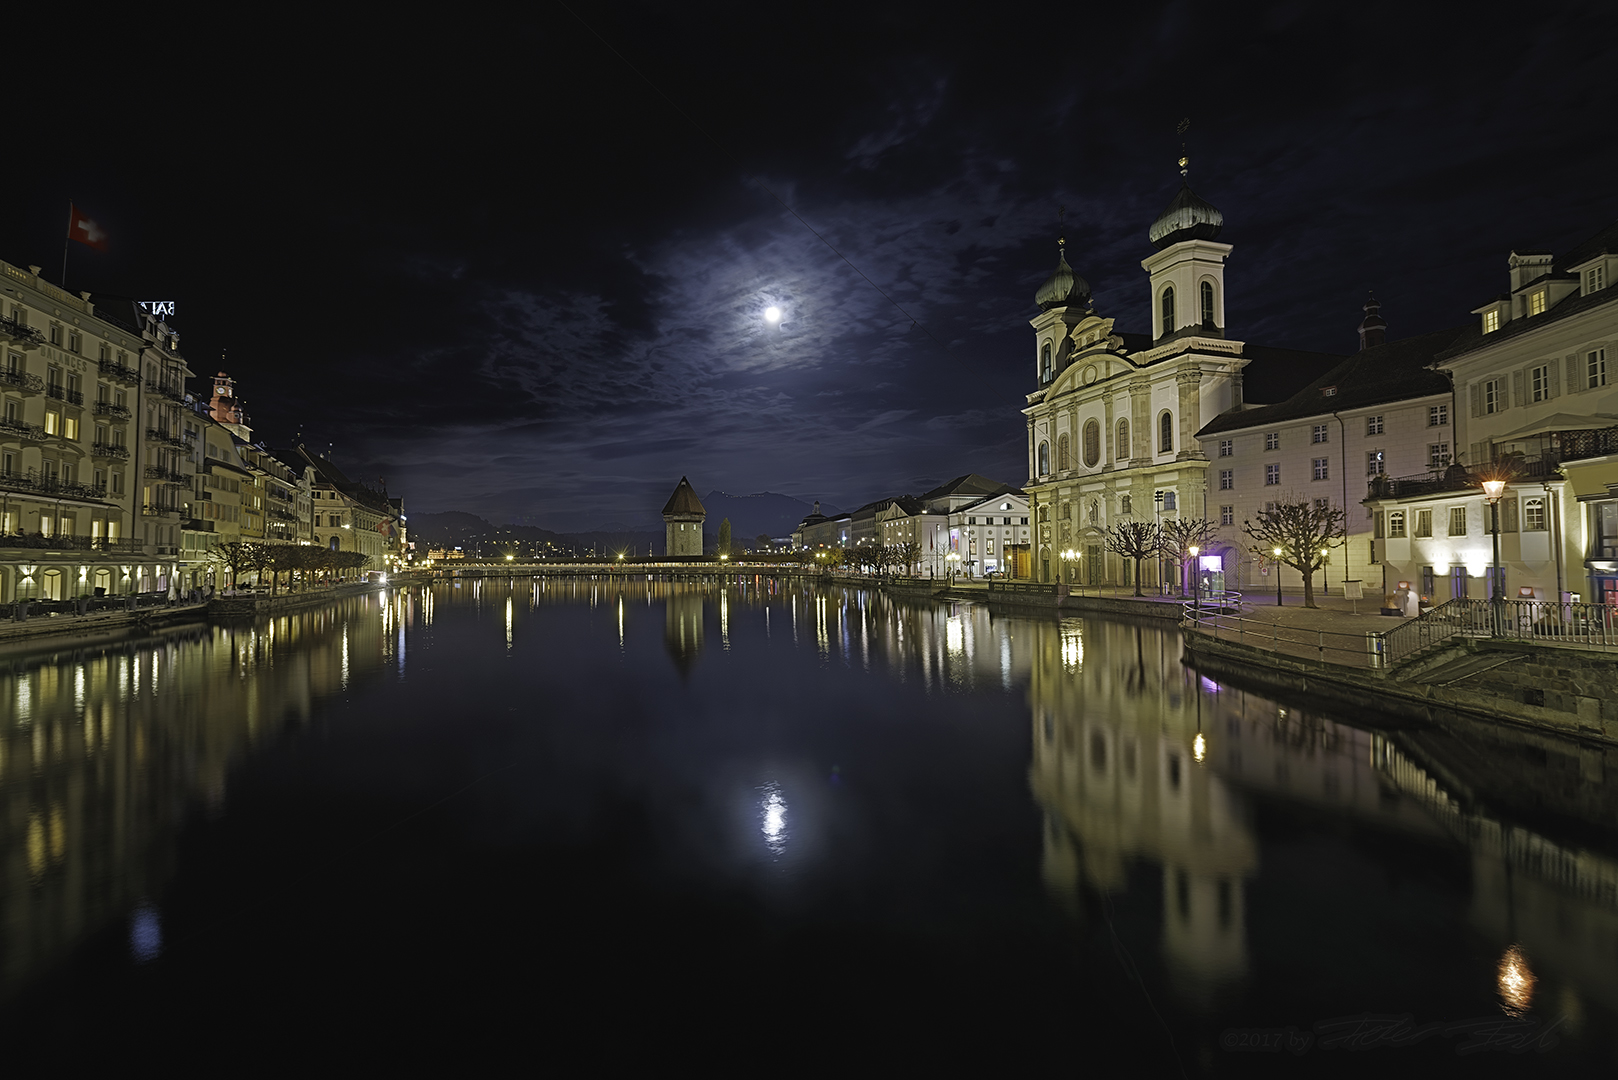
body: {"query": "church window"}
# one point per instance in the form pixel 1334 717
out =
pixel 1123 439
pixel 1045 363
pixel 1126 505
pixel 1165 433
pixel 1044 458
pixel 1092 444
pixel 1207 303
pixel 1168 311
pixel 1062 463
pixel 1170 500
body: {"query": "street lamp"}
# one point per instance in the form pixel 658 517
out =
pixel 1277 577
pixel 1492 490
pixel 951 562
pixel 1196 583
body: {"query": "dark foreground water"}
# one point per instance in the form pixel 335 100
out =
pixel 584 826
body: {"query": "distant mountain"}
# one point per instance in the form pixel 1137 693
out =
pixel 764 512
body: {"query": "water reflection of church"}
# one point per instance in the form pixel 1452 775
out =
pixel 1136 758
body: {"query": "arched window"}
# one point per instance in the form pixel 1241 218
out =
pixel 1207 304
pixel 1061 454
pixel 335 541
pixel 1126 505
pixel 1165 433
pixel 1092 443
pixel 1045 373
pixel 1044 458
pixel 1168 311
pixel 1122 451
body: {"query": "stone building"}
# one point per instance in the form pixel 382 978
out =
pixel 683 516
pixel 1112 425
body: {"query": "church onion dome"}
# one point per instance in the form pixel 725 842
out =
pixel 1064 286
pixel 1188 217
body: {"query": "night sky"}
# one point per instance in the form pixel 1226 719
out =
pixel 518 264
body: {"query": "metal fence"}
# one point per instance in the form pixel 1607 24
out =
pixel 1352 649
pixel 1590 626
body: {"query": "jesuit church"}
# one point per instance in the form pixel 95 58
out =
pixel 1112 426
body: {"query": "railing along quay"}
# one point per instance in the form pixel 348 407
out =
pixel 1580 626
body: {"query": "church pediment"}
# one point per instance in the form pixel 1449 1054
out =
pixel 1094 333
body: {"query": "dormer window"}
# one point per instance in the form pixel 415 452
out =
pixel 1595 279
pixel 1491 321
pixel 1536 302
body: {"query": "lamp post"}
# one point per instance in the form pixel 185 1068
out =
pixel 1277 577
pixel 1492 490
pixel 1196 581
pixel 951 561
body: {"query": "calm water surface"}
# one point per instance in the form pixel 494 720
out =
pixel 773 826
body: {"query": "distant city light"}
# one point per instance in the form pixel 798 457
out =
pixel 772 314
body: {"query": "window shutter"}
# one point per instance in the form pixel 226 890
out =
pixel 1575 377
pixel 1477 399
pixel 1556 379
pixel 1517 398
pixel 1480 453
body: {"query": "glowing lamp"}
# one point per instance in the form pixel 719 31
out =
pixel 1492 489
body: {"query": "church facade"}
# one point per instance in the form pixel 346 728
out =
pixel 1112 426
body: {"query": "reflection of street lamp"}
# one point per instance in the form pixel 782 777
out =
pixel 1277 577
pixel 1492 490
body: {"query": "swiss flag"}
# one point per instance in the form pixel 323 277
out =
pixel 84 230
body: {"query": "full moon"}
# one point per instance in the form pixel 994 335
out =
pixel 772 314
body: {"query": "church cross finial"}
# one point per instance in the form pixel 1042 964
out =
pixel 1185 162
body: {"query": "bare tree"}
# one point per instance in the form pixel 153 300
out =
pixel 907 554
pixel 1180 535
pixel 1137 540
pixel 1298 534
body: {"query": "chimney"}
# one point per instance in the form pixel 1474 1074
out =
pixel 1374 328
pixel 817 506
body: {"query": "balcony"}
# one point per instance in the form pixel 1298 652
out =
pixel 196 525
pixel 115 412
pixel 62 393
pixel 119 373
pixel 110 450
pixel 26 336
pixel 281 515
pixel 167 476
pixel 16 429
pixel 154 510
pixel 1457 478
pixel 159 436
pixel 32 483
pixel 120 546
pixel 21 380
pixel 163 388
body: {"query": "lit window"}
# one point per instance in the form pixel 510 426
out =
pixel 1491 321
pixel 1375 462
pixel 1226 448
pixel 70 428
pixel 1536 302
pixel 53 423
pixel 1540 378
pixel 1227 479
pixel 1457 521
pixel 1272 475
pixel 1227 515
pixel 1396 524
pixel 1320 467
pixel 1373 425
pixel 1272 440
pixel 1437 455
pixel 1437 415
pixel 1318 434
pixel 1595 369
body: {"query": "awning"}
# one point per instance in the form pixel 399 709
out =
pixel 1558 422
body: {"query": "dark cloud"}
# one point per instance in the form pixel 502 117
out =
pixel 495 264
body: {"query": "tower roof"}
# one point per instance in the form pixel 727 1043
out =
pixel 1063 286
pixel 1188 217
pixel 684 500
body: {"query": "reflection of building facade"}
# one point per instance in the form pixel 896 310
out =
pixel 682 627
pixel 99 757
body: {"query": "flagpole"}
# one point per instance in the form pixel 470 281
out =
pixel 66 240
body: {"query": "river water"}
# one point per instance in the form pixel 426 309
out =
pixel 781 826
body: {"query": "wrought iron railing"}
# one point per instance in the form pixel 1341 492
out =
pixel 16 331
pixel 16 429
pixel 156 510
pixel 1036 587
pixel 21 380
pixel 73 543
pixel 62 393
pixel 32 482
pixel 1544 621
pixel 113 410
pixel 168 476
pixel 109 450
pixel 163 388
pixel 117 372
